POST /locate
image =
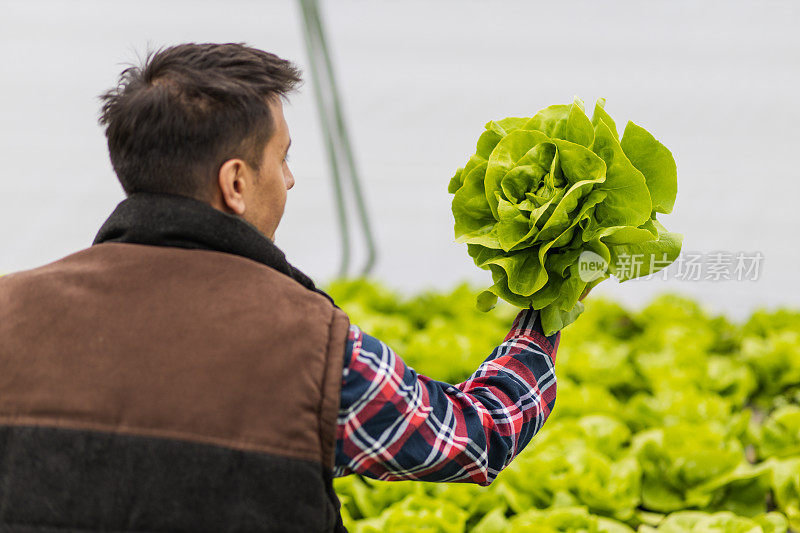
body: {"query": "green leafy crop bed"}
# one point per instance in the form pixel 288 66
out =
pixel 666 420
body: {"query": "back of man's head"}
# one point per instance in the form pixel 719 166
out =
pixel 172 121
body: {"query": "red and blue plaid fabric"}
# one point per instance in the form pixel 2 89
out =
pixel 396 424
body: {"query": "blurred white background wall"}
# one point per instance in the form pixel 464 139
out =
pixel 716 82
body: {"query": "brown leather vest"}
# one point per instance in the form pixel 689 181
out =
pixel 151 388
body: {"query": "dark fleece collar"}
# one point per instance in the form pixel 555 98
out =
pixel 183 222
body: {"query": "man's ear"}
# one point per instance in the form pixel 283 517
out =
pixel 232 184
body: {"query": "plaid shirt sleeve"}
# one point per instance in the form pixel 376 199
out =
pixel 395 424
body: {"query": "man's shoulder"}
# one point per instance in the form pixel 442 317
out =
pixel 142 265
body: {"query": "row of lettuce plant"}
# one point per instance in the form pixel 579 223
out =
pixel 667 419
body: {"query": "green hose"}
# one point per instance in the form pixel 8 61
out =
pixel 336 138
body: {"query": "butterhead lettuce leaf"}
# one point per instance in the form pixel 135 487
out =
pixel 554 204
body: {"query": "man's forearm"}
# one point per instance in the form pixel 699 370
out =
pixel 395 424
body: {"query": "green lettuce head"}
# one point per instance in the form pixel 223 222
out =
pixel 554 204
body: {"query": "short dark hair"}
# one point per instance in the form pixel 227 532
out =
pixel 172 121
